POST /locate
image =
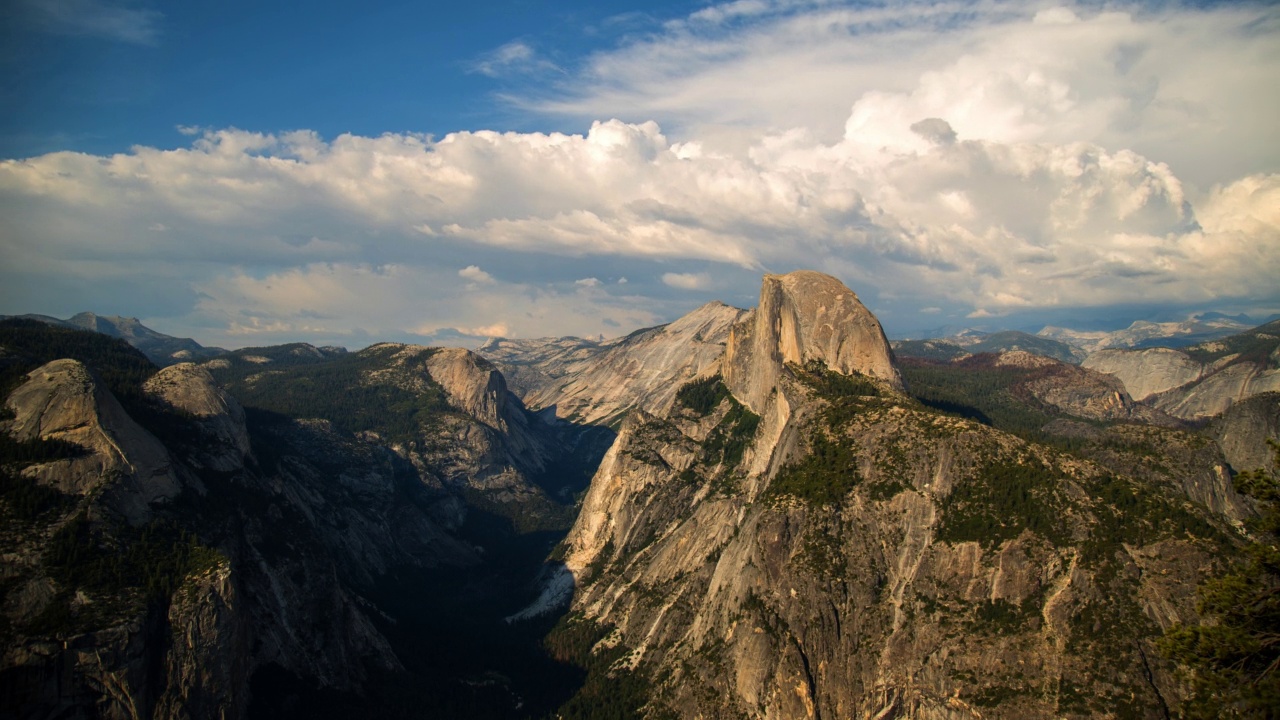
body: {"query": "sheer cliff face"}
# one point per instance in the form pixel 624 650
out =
pixel 804 316
pixel 1201 381
pixel 849 553
pixel 598 383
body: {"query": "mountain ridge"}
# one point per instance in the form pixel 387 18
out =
pixel 776 524
pixel 159 348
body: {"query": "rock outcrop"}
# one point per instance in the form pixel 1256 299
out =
pixel 121 461
pixel 167 579
pixel 190 389
pixel 1201 381
pixel 1244 429
pixel 1146 372
pixel 599 383
pixel 1080 391
pixel 845 552
pixel 1220 390
pixel 804 316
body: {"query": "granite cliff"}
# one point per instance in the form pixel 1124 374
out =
pixel 1202 380
pixel 599 383
pixel 782 520
pixel 797 537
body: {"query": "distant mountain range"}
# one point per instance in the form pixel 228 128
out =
pixel 1143 334
pixel 973 342
pixel 161 349
pixel 1070 345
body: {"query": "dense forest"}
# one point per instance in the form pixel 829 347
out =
pixel 336 387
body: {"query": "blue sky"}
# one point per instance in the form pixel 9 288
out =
pixel 253 173
pixel 334 67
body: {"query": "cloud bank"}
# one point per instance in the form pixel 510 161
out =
pixel 981 169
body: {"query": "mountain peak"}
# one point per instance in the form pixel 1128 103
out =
pixel 805 315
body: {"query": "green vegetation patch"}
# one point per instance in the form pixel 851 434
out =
pixel 30 344
pixel 1002 499
pixel 728 441
pixel 338 390
pixel 702 396
pixel 1254 346
pixel 23 497
pixel 822 477
pixel 154 559
pixel 1125 514
pixel 1002 616
pixel 833 385
pixel 609 692
pixel 1231 657
pixel 975 388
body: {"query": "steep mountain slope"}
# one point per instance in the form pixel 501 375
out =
pixel 803 540
pixel 1199 381
pixel 1020 392
pixel 159 348
pixel 446 410
pixel 598 383
pixel 171 554
pixel 1244 429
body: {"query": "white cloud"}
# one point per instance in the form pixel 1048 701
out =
pixel 1178 83
pixel 516 57
pixel 986 169
pixel 686 281
pixel 475 274
pixel 500 329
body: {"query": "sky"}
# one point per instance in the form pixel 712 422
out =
pixel 344 173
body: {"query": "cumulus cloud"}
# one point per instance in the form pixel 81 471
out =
pixel 935 130
pixel 1178 83
pixel 475 274
pixel 983 171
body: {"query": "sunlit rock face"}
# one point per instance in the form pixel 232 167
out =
pixel 599 383
pixel 122 463
pixel 190 388
pixel 737 585
pixel 1146 372
pixel 802 316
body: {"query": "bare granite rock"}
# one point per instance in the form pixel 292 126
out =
pixel 191 389
pixel 599 383
pixel 804 316
pixel 1146 372
pixel 122 461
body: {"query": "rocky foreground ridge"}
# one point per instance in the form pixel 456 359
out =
pixel 169 554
